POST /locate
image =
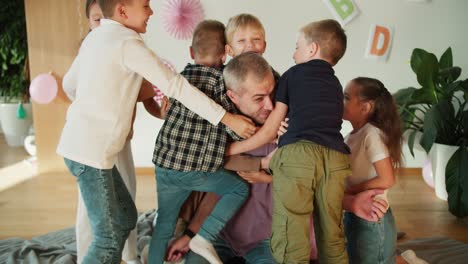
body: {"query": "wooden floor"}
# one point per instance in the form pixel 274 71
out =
pixel 48 202
pixel 10 155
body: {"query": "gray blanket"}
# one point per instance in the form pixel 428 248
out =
pixel 59 247
pixel 438 250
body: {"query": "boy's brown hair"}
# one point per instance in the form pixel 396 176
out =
pixel 107 6
pixel 208 39
pixel 241 21
pixel 329 35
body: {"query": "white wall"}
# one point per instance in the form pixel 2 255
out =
pixel 433 26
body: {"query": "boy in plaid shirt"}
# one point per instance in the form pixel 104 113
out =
pixel 189 152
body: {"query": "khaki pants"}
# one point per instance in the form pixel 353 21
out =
pixel 308 176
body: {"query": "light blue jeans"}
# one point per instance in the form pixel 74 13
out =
pixel 260 254
pixel 111 211
pixel 370 242
pixel 173 188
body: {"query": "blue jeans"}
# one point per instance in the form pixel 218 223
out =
pixel 173 188
pixel 111 211
pixel 370 242
pixel 260 254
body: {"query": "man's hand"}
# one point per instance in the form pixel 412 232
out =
pixel 364 206
pixel 255 176
pixel 243 126
pixel 178 248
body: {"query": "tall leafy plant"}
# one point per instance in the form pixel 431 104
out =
pixel 437 109
pixel 14 72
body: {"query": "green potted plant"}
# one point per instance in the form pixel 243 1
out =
pixel 437 113
pixel 15 109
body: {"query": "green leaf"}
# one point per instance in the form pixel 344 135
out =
pixel 403 96
pixel 430 130
pixel 449 75
pixel 411 139
pixel 424 96
pixel 456 182
pixel 446 60
pixel 439 125
pixel 426 67
pixel 464 124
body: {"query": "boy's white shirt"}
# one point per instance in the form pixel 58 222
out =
pixel 104 81
pixel 366 147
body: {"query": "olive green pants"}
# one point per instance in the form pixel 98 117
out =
pixel 308 176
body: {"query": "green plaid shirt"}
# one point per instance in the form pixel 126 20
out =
pixel 188 142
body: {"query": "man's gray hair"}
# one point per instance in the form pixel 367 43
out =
pixel 249 64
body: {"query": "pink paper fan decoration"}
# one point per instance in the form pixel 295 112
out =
pixel 180 17
pixel 159 94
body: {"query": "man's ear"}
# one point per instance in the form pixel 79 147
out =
pixel 229 50
pixel 192 53
pixel 232 96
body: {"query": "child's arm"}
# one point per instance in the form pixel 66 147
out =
pixel 255 176
pixel 265 135
pixel 140 59
pixel 146 95
pixel 384 179
pixel 178 247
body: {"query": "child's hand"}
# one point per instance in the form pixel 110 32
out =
pixel 265 162
pixel 177 249
pixel 379 207
pixel 165 105
pixel 283 128
pixel 255 176
pixel 243 126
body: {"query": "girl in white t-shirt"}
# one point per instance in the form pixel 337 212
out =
pixel 375 144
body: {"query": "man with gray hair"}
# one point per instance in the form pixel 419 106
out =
pixel 250 85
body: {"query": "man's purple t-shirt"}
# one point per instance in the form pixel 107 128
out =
pixel 252 223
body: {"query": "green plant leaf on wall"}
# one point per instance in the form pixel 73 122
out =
pixel 446 60
pixel 457 183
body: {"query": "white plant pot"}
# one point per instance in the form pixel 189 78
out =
pixel 440 155
pixel 14 129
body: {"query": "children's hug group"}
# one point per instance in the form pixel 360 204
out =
pixel 250 166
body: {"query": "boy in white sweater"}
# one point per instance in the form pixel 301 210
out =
pixel 107 75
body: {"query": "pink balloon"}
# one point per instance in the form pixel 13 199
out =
pixel 43 88
pixel 427 173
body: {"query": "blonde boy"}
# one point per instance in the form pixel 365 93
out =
pixel 107 75
pixel 244 33
pixel 311 163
